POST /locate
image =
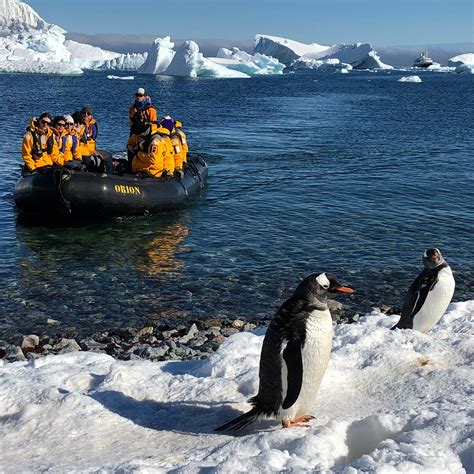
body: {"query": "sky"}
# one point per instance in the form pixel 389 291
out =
pixel 380 22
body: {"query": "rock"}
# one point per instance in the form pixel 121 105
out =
pixel 52 322
pixel 67 345
pixel 13 353
pixel 145 331
pixel 213 323
pixel 238 324
pixel 193 331
pixel 249 326
pixel 158 351
pixel 227 332
pixel 90 344
pixel 385 309
pixel 30 342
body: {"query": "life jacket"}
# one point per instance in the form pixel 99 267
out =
pixel 141 114
pixel 91 131
pixel 37 146
pixel 163 135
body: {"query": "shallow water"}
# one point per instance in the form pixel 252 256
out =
pixel 354 174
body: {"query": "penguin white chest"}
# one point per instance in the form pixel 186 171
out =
pixel 436 302
pixel 315 357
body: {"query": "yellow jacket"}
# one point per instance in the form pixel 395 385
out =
pixel 180 145
pixel 38 146
pixel 90 130
pixel 157 155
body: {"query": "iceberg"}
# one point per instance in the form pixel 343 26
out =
pixel 464 63
pixel 189 62
pixel 289 52
pixel 159 57
pixel 123 78
pixel 410 79
pixel 256 64
pixel 30 44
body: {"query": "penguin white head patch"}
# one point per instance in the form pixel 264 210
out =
pixel 323 280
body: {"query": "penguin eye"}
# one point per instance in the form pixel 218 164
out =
pixel 325 286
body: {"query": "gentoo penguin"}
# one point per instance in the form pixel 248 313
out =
pixel 294 357
pixel 429 295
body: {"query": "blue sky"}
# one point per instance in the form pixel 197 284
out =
pixel 380 22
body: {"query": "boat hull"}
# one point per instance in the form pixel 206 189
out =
pixel 59 191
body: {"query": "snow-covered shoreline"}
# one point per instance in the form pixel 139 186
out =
pixel 391 401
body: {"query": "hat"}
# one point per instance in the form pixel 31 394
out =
pixel 68 119
pixel 87 109
pixel 167 123
pixel 140 128
pixel 140 91
pixel 77 117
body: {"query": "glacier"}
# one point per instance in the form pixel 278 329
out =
pixel 30 44
pixel 289 52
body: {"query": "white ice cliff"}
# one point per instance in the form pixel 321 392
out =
pixel 189 62
pixel 464 63
pixel 30 44
pixel 159 56
pixel 289 52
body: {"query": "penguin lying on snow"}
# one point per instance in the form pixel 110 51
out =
pixel 295 354
pixel 429 295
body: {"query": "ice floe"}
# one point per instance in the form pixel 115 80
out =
pixel 410 79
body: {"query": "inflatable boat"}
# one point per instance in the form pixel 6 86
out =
pixel 61 191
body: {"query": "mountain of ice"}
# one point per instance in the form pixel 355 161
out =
pixel 189 62
pixel 159 56
pixel 289 52
pixel 464 63
pixel 30 44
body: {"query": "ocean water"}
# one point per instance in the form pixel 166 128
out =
pixel 351 174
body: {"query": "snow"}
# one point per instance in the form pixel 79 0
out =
pixel 410 79
pixel 15 16
pixel 159 56
pixel 257 64
pixel 358 55
pixel 390 401
pixel 189 62
pixel 123 78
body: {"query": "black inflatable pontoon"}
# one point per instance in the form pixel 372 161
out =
pixel 61 191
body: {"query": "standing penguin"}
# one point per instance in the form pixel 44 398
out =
pixel 295 354
pixel 429 295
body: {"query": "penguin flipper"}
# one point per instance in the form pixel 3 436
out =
pixel 294 364
pixel 415 298
pixel 241 421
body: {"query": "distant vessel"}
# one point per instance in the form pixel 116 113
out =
pixel 423 61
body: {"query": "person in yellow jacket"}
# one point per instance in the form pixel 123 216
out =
pixel 141 110
pixel 91 130
pixel 38 144
pixel 69 142
pixel 59 131
pixel 153 150
pixel 178 140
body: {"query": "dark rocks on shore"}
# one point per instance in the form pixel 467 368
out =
pixel 170 339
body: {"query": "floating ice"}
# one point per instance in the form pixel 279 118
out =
pixel 159 57
pixel 123 78
pixel 358 55
pixel 410 79
pixel 189 62
pixel 390 401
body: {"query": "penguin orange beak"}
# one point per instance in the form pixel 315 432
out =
pixel 344 289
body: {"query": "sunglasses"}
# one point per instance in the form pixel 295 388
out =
pixel 61 124
pixel 45 122
pixel 69 125
pixel 139 95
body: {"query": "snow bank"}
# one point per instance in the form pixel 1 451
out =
pixel 410 79
pixel 159 56
pixel 391 401
pixel 358 55
pixel 189 62
pixel 257 64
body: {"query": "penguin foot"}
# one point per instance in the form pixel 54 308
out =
pixel 297 422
